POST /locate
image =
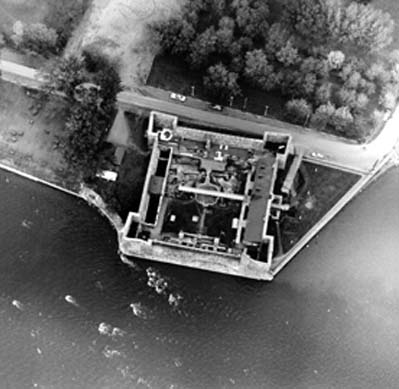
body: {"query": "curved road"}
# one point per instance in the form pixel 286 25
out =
pixel 361 158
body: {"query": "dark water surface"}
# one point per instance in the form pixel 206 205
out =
pixel 329 320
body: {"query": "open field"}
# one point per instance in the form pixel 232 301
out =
pixel 323 187
pixel 118 28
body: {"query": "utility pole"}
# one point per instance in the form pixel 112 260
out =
pixel 306 120
pixel 244 106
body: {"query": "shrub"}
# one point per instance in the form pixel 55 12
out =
pixel 297 111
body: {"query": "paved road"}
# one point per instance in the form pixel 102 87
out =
pixel 334 151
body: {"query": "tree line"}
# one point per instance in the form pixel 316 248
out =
pixel 323 56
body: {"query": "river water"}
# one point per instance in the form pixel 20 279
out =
pixel 73 316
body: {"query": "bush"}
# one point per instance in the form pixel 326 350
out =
pixel 297 111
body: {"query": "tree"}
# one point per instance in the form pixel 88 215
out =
pixel 336 59
pixel 65 74
pixel 225 33
pixel 258 70
pixel 202 48
pixel 288 54
pixel 63 16
pixel 39 38
pixel 322 115
pixel 220 83
pixel 323 93
pixel 342 119
pixel 277 37
pixel 310 18
pixel 175 35
pixel 90 115
pixel 366 27
pixel 297 111
pixel 251 17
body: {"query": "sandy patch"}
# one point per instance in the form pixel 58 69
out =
pixel 118 28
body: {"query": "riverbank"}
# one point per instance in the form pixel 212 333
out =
pixel 48 167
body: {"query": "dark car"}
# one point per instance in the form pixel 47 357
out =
pixel 216 107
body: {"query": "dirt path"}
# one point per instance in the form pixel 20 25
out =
pixel 118 28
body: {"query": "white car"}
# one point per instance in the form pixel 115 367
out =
pixel 177 96
pixel 317 155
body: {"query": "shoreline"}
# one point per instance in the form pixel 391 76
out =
pixel 80 190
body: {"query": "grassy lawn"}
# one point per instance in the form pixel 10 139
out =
pixel 31 134
pixel 322 189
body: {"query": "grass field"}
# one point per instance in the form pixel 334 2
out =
pixel 31 134
pixel 323 187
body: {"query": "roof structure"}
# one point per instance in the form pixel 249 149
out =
pixel 260 198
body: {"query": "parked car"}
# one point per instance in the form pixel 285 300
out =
pixel 177 96
pixel 216 107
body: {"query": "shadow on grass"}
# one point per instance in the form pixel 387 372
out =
pixel 172 74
